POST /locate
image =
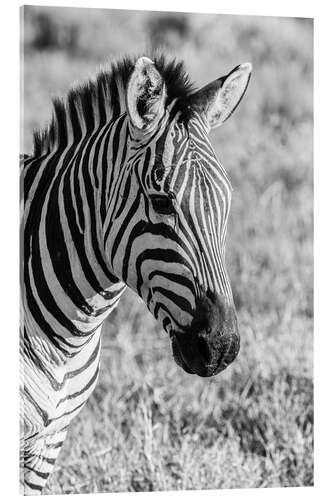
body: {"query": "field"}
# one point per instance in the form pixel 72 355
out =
pixel 149 425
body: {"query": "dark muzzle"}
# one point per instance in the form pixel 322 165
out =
pixel 211 342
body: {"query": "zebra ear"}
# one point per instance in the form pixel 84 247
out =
pixel 219 99
pixel 145 95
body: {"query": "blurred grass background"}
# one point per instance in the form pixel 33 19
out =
pixel 149 425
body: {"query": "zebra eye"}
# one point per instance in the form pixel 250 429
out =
pixel 163 204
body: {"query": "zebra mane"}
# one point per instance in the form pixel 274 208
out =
pixel 103 92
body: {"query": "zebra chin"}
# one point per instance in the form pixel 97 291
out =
pixel 198 364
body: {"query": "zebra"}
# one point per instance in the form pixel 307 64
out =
pixel 122 189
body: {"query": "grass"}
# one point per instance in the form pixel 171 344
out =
pixel 148 425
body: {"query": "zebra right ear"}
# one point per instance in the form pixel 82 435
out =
pixel 145 95
pixel 219 99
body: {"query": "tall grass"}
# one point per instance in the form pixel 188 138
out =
pixel 148 425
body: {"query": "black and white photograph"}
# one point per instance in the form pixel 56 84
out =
pixel 166 251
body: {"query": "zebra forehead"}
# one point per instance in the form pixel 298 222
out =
pixel 178 150
pixel 186 144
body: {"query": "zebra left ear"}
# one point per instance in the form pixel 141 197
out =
pixel 219 99
pixel 146 95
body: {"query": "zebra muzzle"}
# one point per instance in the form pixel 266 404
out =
pixel 212 341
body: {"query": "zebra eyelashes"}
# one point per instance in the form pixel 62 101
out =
pixel 163 204
pixel 161 171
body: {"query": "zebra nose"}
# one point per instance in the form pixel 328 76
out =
pixel 212 341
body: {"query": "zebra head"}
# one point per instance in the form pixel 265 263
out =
pixel 168 228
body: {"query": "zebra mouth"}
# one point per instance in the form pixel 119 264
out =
pixel 203 371
pixel 177 356
pixel 195 356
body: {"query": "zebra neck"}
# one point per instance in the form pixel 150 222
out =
pixel 67 278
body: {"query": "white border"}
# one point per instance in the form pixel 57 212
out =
pixel 323 230
pixel 296 8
